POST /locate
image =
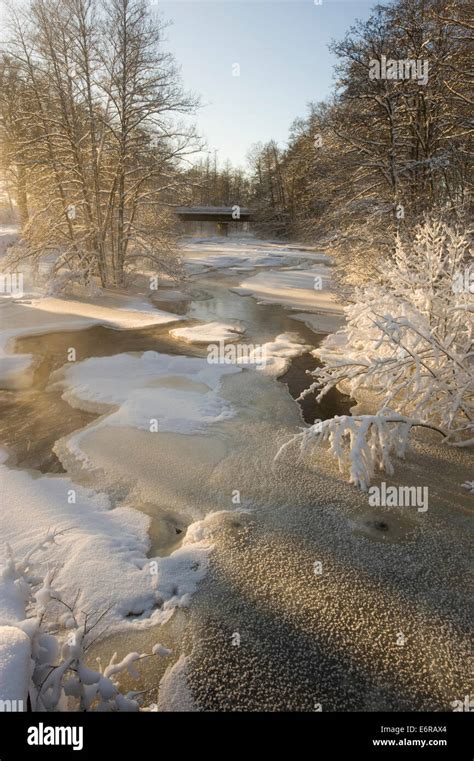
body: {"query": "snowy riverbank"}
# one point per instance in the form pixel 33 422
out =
pixel 183 450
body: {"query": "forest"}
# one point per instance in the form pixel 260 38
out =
pixel 96 151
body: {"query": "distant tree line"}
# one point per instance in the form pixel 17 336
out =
pixel 96 156
pixel 383 152
pixel 209 184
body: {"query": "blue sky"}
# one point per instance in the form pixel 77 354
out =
pixel 282 49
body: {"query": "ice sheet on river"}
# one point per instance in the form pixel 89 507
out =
pixel 241 254
pixel 45 315
pixel 153 392
pixel 306 289
pixel 210 332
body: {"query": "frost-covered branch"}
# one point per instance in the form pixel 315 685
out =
pixel 61 678
pixel 407 349
pixel 361 444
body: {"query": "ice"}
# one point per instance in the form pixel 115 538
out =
pixel 99 555
pixel 119 312
pixel 278 353
pixel 210 332
pixel 45 315
pixel 319 322
pixel 136 386
pixel 308 289
pixel 174 691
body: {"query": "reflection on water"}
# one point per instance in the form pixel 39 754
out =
pixel 262 321
pixel 179 306
pixel 32 420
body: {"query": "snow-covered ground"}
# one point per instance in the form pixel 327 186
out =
pixel 189 444
pixel 26 317
pixel 15 665
pixel 99 554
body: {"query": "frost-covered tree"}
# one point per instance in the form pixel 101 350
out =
pixel 382 152
pixel 95 137
pixel 407 349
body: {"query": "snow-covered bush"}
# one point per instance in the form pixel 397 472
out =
pixel 60 638
pixel 69 283
pixel 407 346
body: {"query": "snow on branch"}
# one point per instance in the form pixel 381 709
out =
pixel 407 347
pixel 361 444
pixel 61 680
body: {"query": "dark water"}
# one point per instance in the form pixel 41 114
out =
pixel 297 379
pixel 179 307
pixel 32 420
pixel 262 323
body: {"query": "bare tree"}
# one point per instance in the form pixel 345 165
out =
pixel 101 143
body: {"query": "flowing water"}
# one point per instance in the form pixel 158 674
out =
pixel 298 634
pixel 32 420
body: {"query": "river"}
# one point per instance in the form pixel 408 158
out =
pixel 304 640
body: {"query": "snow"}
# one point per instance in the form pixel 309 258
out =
pixel 12 598
pixel 407 342
pixel 213 262
pixel 102 550
pixel 278 353
pixel 174 692
pixel 241 254
pixel 320 323
pixel 16 369
pixel 180 393
pixel 99 553
pixel 114 311
pixel 210 332
pixel 39 316
pixel 295 288
pixel 273 357
pixel 333 348
pixel 8 235
pixel 15 665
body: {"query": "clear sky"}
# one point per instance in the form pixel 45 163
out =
pixel 281 47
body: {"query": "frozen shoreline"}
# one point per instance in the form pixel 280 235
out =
pixel 105 530
pixel 51 315
pixel 260 573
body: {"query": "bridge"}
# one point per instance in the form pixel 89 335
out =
pixel 221 214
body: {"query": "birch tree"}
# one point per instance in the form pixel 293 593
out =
pixel 105 155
